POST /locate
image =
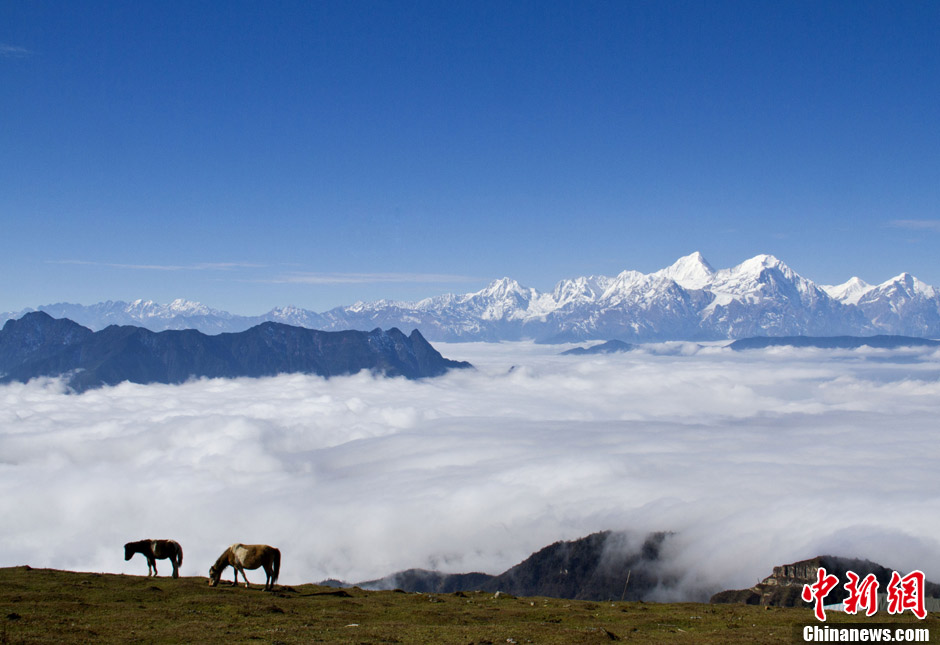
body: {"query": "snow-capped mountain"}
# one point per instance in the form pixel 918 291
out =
pixel 179 314
pixel 690 272
pixel 902 305
pixel 689 300
pixel 764 297
pixel 849 292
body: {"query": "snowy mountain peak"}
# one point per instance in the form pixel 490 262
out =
pixel 189 307
pixel 182 303
pixel 857 283
pixel 289 310
pixel 910 285
pixel 580 290
pixel 749 272
pixel 849 292
pixel 906 279
pixel 502 288
pixel 151 309
pixel 685 301
pixel 628 277
pixel 760 262
pixel 503 299
pixel 690 272
pixel 761 278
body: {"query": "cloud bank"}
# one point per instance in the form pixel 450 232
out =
pixel 918 224
pixel 14 51
pixel 752 458
pixel 201 266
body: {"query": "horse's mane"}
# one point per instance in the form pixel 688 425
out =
pixel 225 559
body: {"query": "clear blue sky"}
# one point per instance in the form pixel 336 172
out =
pixel 254 154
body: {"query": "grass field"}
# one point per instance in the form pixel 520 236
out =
pixel 50 606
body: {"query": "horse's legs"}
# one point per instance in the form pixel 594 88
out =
pixel 176 567
pixel 151 564
pixel 237 569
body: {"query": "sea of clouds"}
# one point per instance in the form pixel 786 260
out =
pixel 752 459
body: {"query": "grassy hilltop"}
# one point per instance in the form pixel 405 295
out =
pixel 50 606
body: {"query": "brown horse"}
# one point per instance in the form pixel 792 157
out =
pixel 248 556
pixel 155 550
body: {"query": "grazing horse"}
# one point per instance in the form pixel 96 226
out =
pixel 248 556
pixel 155 550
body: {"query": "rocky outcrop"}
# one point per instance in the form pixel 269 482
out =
pixel 783 588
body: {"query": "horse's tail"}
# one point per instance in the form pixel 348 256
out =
pixel 179 555
pixel 276 564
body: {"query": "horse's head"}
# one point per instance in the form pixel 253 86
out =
pixel 214 575
pixel 128 551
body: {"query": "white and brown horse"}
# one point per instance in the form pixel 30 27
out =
pixel 155 550
pixel 248 556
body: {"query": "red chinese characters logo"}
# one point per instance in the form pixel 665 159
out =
pixel 907 593
pixel 819 590
pixel 861 596
pixel 904 593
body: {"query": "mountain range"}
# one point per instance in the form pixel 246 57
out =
pixel 622 565
pixel 39 345
pixel 608 565
pixel 689 300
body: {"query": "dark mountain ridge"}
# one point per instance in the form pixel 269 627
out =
pixel 619 565
pixel 38 345
pixel 610 347
pixel 833 342
pixel 609 565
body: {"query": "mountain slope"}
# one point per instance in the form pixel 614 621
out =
pixel 38 345
pixel 616 565
pixel 608 565
pixel 903 305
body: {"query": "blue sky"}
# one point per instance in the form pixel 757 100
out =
pixel 256 154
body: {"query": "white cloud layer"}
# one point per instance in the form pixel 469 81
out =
pixel 754 459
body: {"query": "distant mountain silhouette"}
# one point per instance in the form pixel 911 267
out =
pixel 833 342
pixel 617 565
pixel 608 565
pixel 38 345
pixel 610 347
